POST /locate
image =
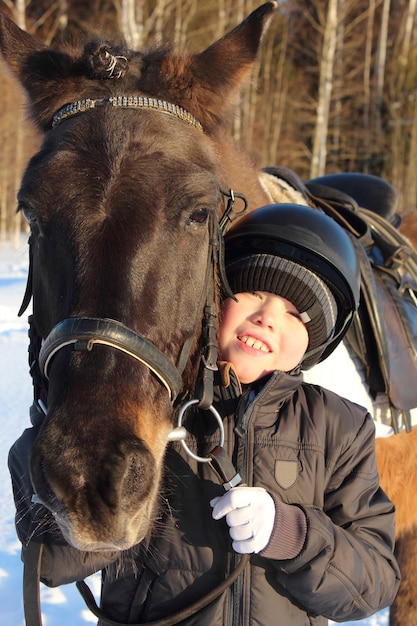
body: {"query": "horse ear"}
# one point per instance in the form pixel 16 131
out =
pixel 223 68
pixel 16 45
pixel 37 67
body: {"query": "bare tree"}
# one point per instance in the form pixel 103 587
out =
pixel 380 66
pixel 131 17
pixel 318 160
pixel 20 18
pixel 410 186
pixel 406 40
pixel 367 71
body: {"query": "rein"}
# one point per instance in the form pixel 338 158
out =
pixel 175 618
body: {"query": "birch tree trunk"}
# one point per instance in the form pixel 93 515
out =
pixel 221 19
pixel 367 69
pixel 406 42
pixel 237 122
pixel 131 18
pixel 410 186
pixel 338 84
pixel 184 12
pixel 409 156
pixel 278 92
pixel 380 67
pixel 318 161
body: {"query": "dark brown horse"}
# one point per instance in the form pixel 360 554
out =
pixel 120 198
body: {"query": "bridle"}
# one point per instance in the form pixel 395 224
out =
pixel 83 333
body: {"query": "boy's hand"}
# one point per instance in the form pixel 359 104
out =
pixel 250 514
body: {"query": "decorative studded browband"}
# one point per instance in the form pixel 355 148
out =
pixel 125 102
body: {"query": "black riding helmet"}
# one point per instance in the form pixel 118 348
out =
pixel 302 255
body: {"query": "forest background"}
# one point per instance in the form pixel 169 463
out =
pixel 335 88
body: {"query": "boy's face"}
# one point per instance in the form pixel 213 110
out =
pixel 261 333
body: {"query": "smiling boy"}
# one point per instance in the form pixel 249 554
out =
pixel 306 455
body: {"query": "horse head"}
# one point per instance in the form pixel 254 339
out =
pixel 120 198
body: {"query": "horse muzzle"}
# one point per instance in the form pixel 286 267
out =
pixel 102 504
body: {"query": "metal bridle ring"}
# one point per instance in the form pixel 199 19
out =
pixel 184 408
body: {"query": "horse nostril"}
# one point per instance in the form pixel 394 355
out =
pixel 136 479
pixel 128 476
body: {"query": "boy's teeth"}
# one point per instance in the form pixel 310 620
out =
pixel 254 343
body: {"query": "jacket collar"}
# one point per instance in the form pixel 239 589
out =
pixel 280 384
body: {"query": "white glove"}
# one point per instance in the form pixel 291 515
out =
pixel 250 514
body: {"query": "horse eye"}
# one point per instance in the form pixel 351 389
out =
pixel 198 217
pixel 29 213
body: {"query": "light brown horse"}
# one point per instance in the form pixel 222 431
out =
pixel 397 464
pixel 409 227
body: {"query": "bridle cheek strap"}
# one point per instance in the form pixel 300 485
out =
pixel 84 332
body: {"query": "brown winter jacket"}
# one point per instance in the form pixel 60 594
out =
pixel 310 449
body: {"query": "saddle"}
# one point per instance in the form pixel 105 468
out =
pixel 384 332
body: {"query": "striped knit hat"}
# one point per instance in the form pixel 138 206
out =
pixel 309 294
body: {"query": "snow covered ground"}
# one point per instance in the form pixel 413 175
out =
pixel 62 606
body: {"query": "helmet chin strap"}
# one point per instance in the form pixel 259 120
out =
pixel 333 339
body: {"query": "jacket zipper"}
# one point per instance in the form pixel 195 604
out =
pixel 244 415
pixel 241 429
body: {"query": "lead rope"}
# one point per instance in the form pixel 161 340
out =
pixel 175 618
pixel 31 580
